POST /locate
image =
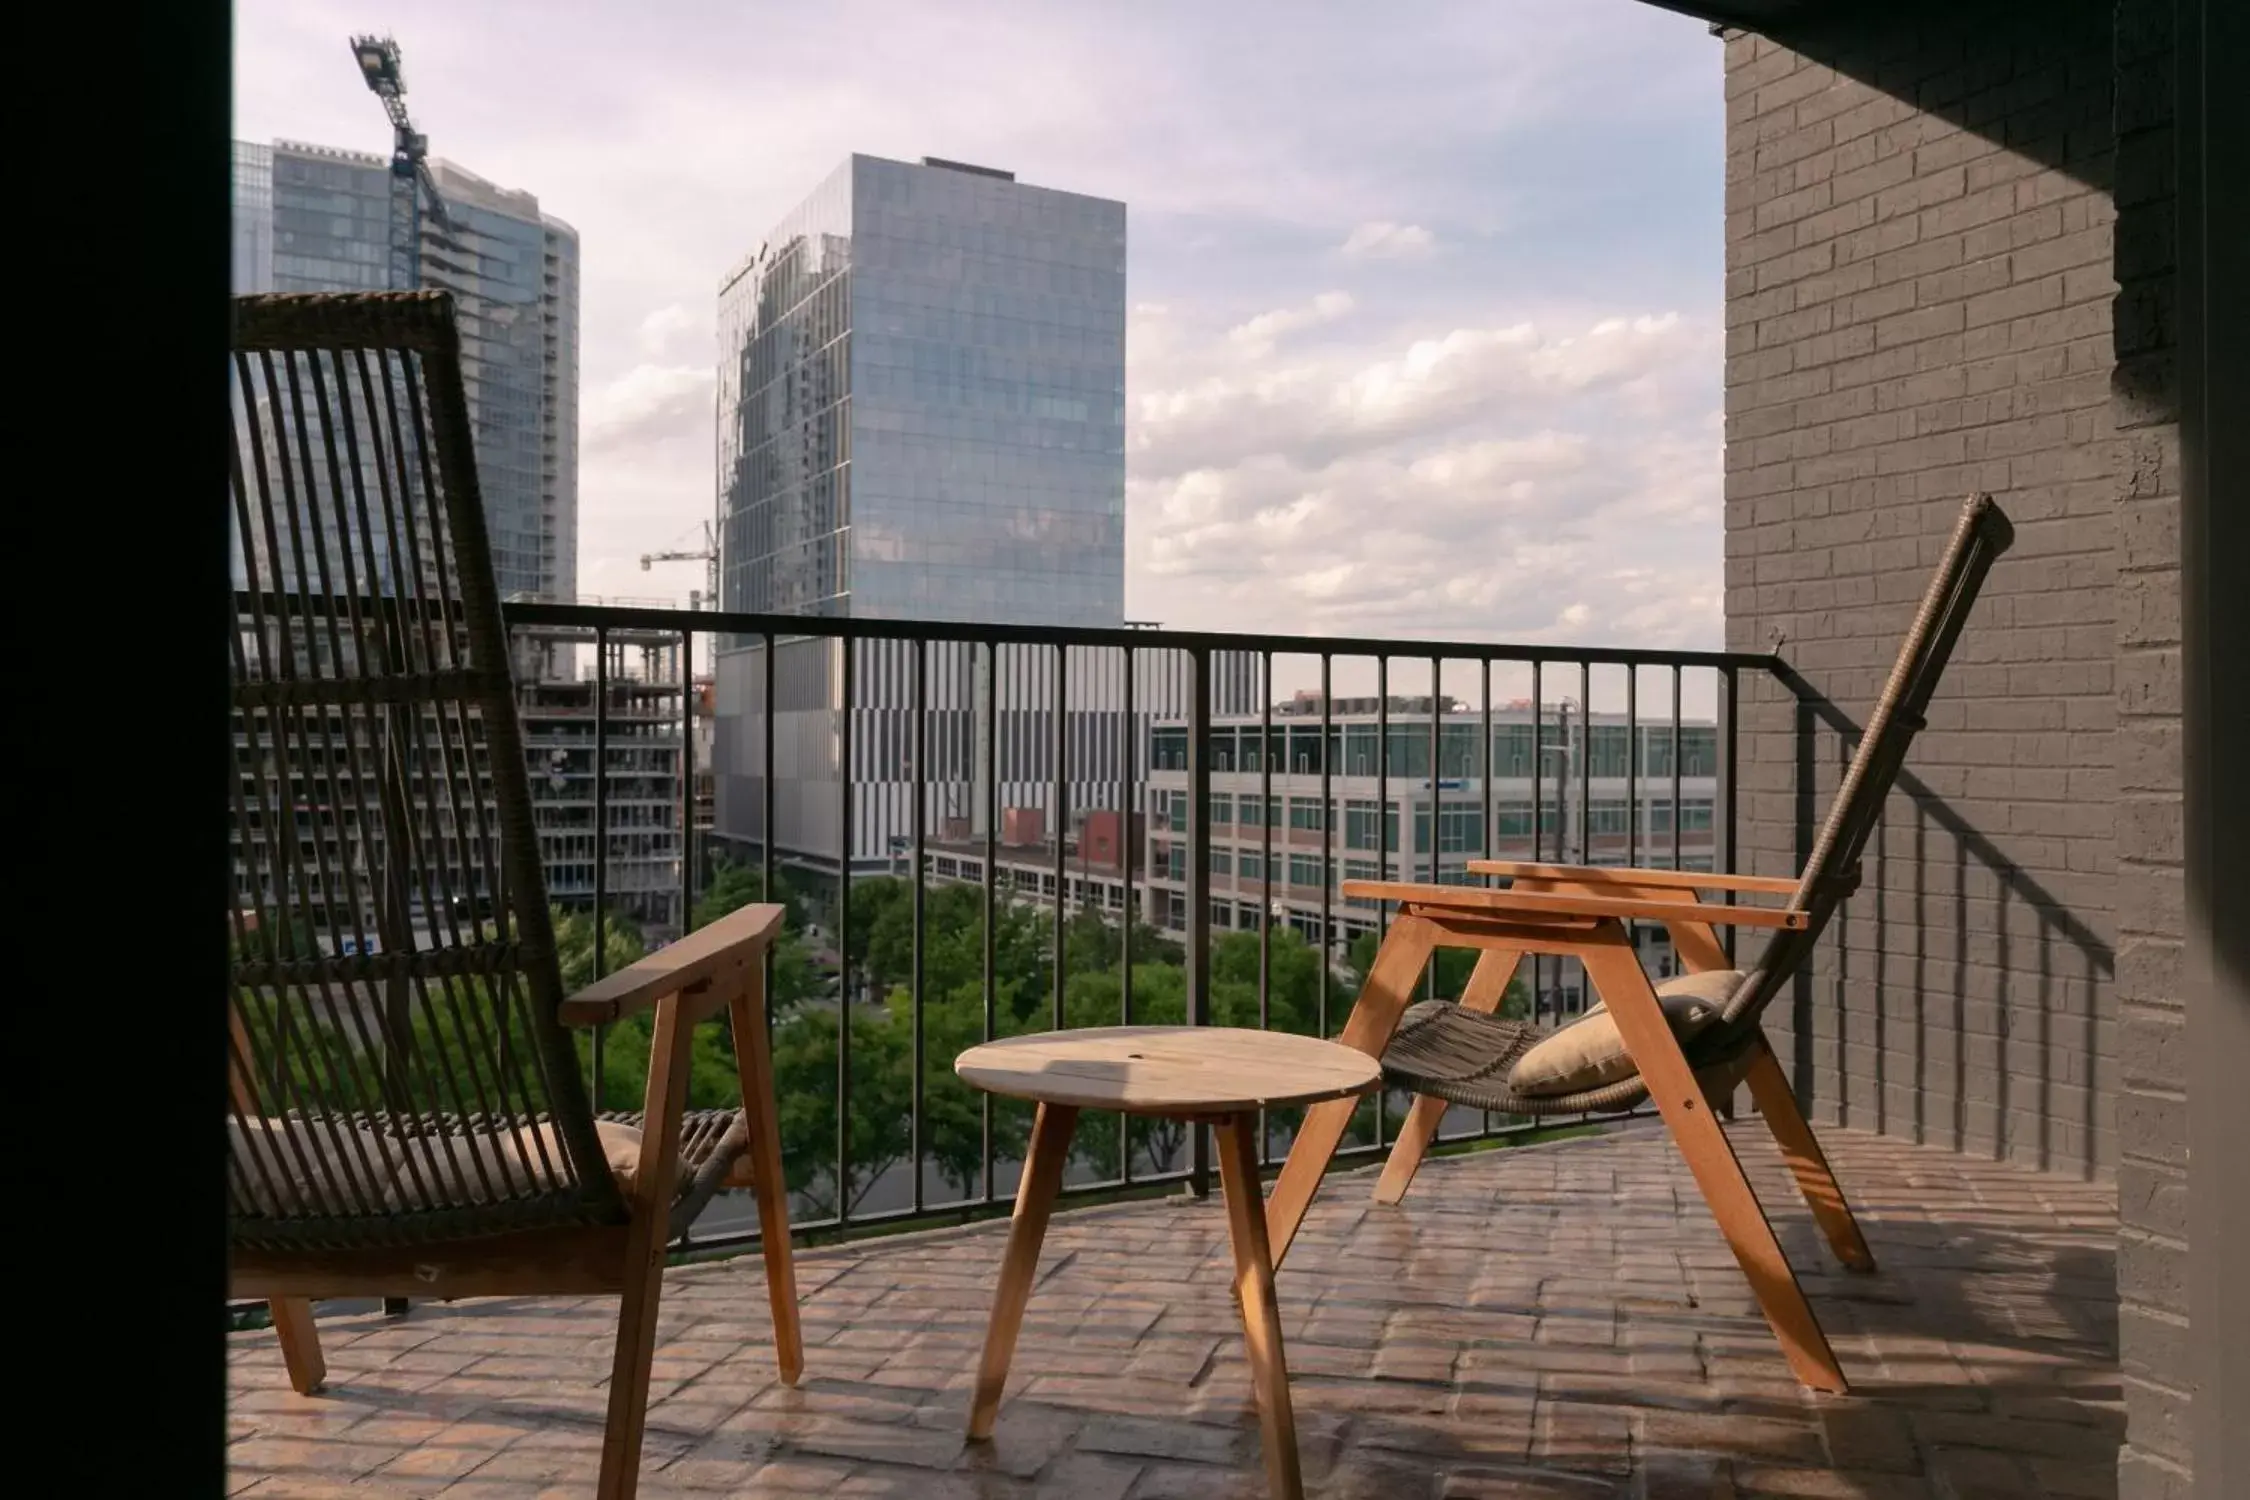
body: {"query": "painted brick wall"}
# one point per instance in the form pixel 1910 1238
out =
pixel 1919 302
pixel 2152 1124
pixel 1950 267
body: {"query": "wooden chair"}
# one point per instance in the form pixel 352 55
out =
pixel 1463 1053
pixel 406 1112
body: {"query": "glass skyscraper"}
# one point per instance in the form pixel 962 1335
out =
pixel 922 402
pixel 313 219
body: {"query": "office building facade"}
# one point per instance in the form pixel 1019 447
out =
pixel 316 219
pixel 922 403
pixel 1568 787
pixel 921 417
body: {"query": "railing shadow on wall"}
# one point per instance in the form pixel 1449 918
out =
pixel 1978 1066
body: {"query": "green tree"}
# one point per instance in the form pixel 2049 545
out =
pixel 805 1065
pixel 734 886
pixel 622 945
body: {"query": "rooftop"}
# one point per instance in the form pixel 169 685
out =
pixel 1556 1322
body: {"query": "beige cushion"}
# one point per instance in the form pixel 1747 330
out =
pixel 1590 1054
pixel 512 1164
pixel 282 1167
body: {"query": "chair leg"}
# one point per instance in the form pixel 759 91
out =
pixel 1382 1000
pixel 1019 1265
pixel 668 1064
pixel 753 1050
pixel 1616 973
pixel 1769 1089
pixel 300 1343
pixel 1488 984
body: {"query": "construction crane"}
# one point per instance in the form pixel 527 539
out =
pixel 707 554
pixel 410 169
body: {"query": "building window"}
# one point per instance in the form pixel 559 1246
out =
pixel 1457 751
pixel 1250 865
pixel 1360 747
pixel 1410 750
pixel 1176 862
pixel 1168 750
pixel 1609 752
pixel 1359 826
pixel 1304 812
pixel 1222 862
pixel 1460 829
pixel 1222 810
pixel 1304 870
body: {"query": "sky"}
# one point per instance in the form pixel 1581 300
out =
pixel 1426 301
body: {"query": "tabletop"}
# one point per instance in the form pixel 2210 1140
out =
pixel 1169 1069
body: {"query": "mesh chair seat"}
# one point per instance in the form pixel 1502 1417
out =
pixel 1463 1056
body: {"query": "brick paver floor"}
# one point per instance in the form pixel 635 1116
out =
pixel 1559 1322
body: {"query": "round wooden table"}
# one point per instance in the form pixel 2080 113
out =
pixel 1217 1076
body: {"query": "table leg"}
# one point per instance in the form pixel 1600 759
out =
pixel 1035 1196
pixel 1261 1318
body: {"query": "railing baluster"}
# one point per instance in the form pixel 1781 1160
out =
pixel 1265 898
pixel 1491 836
pixel 1199 886
pixel 1727 733
pixel 1129 835
pixel 844 771
pixel 1328 822
pixel 1633 767
pixel 921 876
pixel 991 706
pixel 1383 823
pixel 1538 815
pixel 1677 821
pixel 601 835
pixel 1059 801
pixel 687 777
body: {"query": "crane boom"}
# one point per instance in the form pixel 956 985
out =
pixel 411 182
pixel 707 554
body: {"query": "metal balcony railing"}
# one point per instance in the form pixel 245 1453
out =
pixel 855 748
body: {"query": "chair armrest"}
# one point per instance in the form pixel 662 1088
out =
pixel 1553 907
pixel 1694 880
pixel 736 940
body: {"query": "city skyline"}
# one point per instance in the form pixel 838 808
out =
pixel 1404 359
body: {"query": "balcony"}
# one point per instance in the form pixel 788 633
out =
pixel 1547 1321
pixel 1552 1313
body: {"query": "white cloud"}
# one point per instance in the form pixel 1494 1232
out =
pixel 650 404
pixel 1321 409
pixel 1380 239
pixel 1482 481
pixel 666 326
pixel 1258 335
